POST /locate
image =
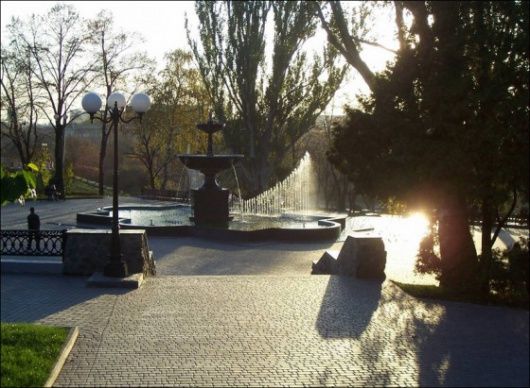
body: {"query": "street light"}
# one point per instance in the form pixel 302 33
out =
pixel 116 266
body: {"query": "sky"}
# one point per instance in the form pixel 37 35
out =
pixel 161 23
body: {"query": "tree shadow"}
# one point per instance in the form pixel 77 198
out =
pixel 347 307
pixel 473 345
pixel 29 298
pixel 404 341
pixel 463 344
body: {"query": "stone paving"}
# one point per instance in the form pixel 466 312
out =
pixel 265 322
pixel 194 256
pixel 271 331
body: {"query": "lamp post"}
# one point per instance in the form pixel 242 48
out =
pixel 116 266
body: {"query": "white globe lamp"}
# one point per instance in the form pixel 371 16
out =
pixel 140 103
pixel 116 98
pixel 91 103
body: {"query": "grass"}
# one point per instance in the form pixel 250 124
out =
pixel 436 292
pixel 29 353
pixel 81 188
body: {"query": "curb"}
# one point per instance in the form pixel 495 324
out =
pixel 65 351
pixel 31 266
pixel 132 281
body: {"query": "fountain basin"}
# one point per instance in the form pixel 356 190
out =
pixel 210 202
pixel 174 221
pixel 210 164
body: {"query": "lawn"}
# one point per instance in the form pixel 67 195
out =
pixel 29 353
pixel 436 292
pixel 82 188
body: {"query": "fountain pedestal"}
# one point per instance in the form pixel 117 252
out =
pixel 210 207
pixel 210 202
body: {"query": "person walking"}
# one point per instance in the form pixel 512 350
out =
pixel 34 228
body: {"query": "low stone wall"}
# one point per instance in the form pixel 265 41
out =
pixel 87 251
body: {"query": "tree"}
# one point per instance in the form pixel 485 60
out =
pixel 116 65
pixel 18 185
pixel 268 107
pixel 334 187
pixel 56 43
pixel 446 127
pixel 19 99
pixel 179 103
pixel 348 38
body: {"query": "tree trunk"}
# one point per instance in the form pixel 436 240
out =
pixel 152 181
pixel 486 243
pixel 59 160
pixel 165 176
pixel 101 163
pixel 21 154
pixel 457 250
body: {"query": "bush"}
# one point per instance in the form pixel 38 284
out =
pixel 510 274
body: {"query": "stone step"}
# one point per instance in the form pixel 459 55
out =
pixel 33 266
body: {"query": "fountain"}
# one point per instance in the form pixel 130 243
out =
pixel 286 212
pixel 296 194
pixel 210 201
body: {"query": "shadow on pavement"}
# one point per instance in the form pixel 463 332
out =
pixel 469 338
pixel 28 298
pixel 347 307
pixel 192 256
pixel 436 343
pixel 453 341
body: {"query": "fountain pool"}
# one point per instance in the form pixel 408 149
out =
pixel 174 220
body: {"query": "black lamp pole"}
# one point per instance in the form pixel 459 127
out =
pixel 116 266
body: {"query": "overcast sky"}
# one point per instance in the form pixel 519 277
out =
pixel 161 23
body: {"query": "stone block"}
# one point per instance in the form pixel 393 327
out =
pixel 327 264
pixel 371 258
pixel 362 257
pixel 87 251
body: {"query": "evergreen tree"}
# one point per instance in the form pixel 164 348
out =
pixel 268 106
pixel 446 127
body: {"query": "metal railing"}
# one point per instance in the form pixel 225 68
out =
pixel 32 243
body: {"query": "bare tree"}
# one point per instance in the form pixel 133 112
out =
pixel 19 101
pixel 56 43
pixel 179 102
pixel 117 64
pixel 348 33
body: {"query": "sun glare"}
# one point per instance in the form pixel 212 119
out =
pixel 416 225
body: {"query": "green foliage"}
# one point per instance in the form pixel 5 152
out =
pixel 267 106
pixel 446 126
pixel 42 157
pixel 510 274
pixel 180 101
pixel 445 293
pixel 29 353
pixel 428 260
pixel 69 177
pixel 17 185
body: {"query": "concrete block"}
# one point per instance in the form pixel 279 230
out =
pixel 88 250
pixel 99 280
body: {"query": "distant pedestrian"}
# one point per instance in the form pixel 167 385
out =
pixel 34 227
pixel 53 190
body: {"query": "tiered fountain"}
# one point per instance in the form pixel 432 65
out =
pixel 210 201
pixel 286 211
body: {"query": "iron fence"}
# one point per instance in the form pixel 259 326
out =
pixel 32 243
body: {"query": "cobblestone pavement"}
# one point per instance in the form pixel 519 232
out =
pixel 271 331
pixel 195 256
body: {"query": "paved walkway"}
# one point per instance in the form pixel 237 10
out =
pixel 271 331
pixel 265 322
